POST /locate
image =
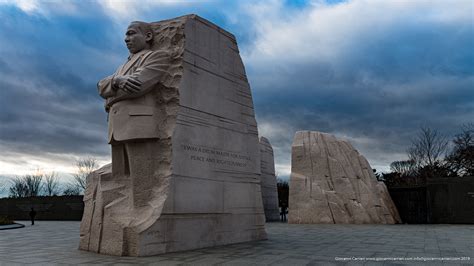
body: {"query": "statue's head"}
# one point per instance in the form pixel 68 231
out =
pixel 139 36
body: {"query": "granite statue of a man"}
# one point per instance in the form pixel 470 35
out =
pixel 132 108
pixel 185 170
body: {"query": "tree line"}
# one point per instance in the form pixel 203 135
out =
pixel 48 184
pixel 432 154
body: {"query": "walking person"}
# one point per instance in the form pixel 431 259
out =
pixel 283 211
pixel 32 216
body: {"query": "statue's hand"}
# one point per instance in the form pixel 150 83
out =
pixel 127 83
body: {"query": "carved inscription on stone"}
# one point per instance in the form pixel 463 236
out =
pixel 215 157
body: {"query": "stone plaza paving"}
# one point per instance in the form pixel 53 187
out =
pixel 54 242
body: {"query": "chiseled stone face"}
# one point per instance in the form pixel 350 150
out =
pixel 331 182
pixel 193 141
pixel 268 181
pixel 135 38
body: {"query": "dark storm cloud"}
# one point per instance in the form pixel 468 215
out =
pixel 50 121
pixel 375 87
pixel 49 69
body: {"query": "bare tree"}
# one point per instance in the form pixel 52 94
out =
pixel 85 166
pixel 404 168
pixel 51 184
pixel 3 186
pixel 71 190
pixel 461 159
pixel 34 184
pixel 18 188
pixel 26 186
pixel 283 191
pixel 427 148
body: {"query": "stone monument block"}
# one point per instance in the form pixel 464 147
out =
pixel 331 182
pixel 195 179
pixel 268 181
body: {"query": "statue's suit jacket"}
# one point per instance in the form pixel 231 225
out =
pixel 135 115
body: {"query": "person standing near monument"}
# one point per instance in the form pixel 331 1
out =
pixel 283 212
pixel 132 96
pixel 32 216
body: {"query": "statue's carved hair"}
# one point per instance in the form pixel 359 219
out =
pixel 144 27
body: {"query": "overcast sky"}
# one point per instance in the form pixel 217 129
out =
pixel 372 72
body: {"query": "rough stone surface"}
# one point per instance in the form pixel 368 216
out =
pixel 206 186
pixel 332 183
pixel 268 181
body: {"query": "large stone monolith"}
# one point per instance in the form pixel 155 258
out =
pixel 195 178
pixel 268 181
pixel 332 183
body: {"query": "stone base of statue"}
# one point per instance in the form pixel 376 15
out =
pixel 199 184
pixel 331 183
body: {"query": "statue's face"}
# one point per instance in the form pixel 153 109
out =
pixel 135 39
